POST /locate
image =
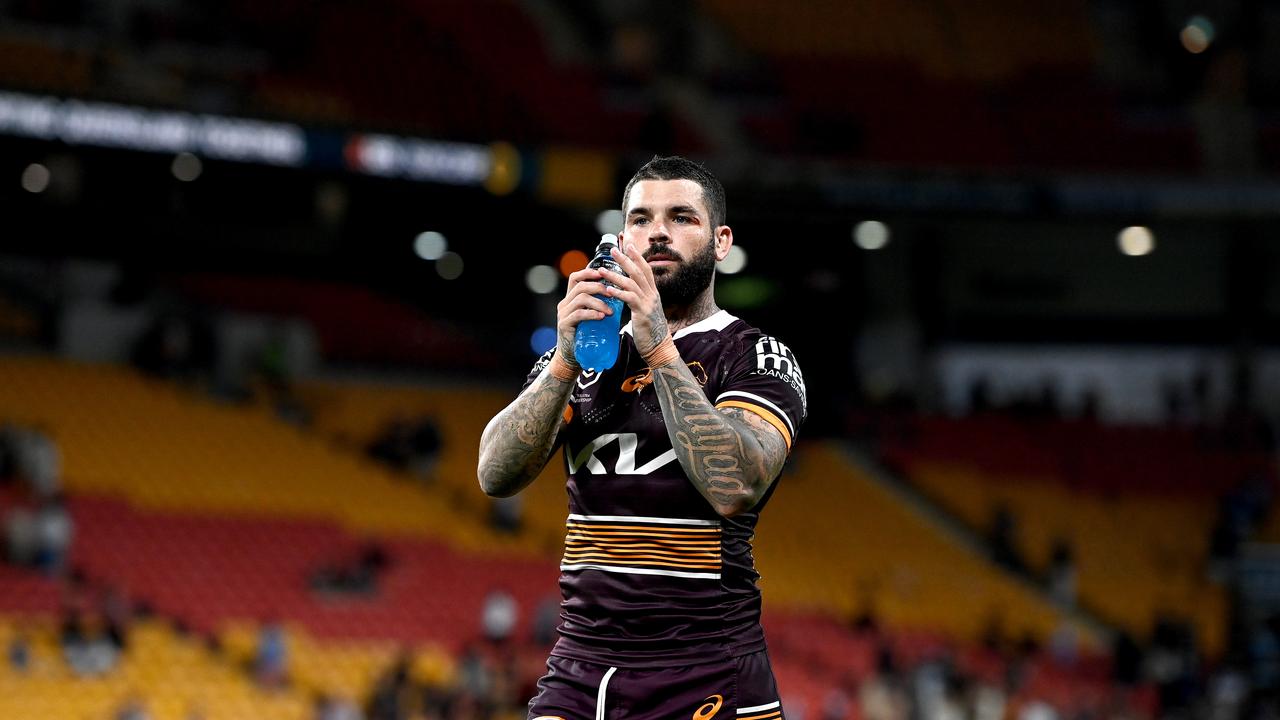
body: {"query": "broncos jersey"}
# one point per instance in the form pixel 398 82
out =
pixel 651 574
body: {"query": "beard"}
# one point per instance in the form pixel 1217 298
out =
pixel 682 284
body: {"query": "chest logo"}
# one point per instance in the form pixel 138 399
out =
pixel 640 381
pixel 626 464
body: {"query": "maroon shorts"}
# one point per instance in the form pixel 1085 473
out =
pixel 739 688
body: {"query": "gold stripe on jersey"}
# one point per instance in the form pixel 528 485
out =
pixel 653 545
pixel 765 413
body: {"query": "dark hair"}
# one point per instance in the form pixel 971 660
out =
pixel 678 168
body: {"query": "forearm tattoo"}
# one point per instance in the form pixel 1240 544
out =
pixel 731 457
pixel 518 442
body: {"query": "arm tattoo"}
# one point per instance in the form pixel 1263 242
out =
pixel 519 440
pixel 731 457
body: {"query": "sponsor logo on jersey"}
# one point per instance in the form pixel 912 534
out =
pixel 588 378
pixel 776 360
pixel 640 381
pixel 626 464
pixel 709 709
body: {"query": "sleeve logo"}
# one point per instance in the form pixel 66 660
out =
pixel 776 360
pixel 543 361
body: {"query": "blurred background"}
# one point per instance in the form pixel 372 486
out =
pixel 267 269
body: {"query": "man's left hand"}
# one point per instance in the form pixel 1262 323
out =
pixel 639 291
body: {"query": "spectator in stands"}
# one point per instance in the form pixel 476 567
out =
pixel 359 577
pixel 270 662
pixel 86 646
pixel 19 652
pixel 881 696
pixel 394 697
pixel 1127 660
pixel 53 534
pixel 117 614
pixel 1061 577
pixel 411 446
pixel 1003 539
pixel 475 676
pixel 21 537
pixel 132 709
pixel 1173 664
pixel 328 707
pixel 498 616
pixel 179 344
pixel 270 366
pixel 33 457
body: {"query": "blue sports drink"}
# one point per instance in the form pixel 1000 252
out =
pixel 596 343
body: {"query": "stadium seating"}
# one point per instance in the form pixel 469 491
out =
pixel 171 673
pixel 215 515
pixel 1098 491
pixel 834 539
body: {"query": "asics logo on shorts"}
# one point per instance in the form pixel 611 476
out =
pixel 708 709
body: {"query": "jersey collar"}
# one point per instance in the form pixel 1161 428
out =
pixel 718 321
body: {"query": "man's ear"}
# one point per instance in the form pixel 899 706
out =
pixel 724 241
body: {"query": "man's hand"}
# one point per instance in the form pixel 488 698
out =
pixel 639 291
pixel 579 303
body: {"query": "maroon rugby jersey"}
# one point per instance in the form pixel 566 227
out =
pixel 651 573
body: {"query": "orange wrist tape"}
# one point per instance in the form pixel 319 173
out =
pixel 560 369
pixel 663 354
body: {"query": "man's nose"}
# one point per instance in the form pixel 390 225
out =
pixel 658 232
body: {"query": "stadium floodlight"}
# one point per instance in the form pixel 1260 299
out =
pixel 449 266
pixel 35 178
pixel 542 279
pixel 186 167
pixel 1197 35
pixel 609 221
pixel 871 234
pixel 1136 241
pixel 430 245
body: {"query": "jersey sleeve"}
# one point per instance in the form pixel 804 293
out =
pixel 765 379
pixel 538 367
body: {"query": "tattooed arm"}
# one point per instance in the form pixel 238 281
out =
pixel 518 441
pixel 730 455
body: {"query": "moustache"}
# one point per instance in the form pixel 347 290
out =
pixel 662 252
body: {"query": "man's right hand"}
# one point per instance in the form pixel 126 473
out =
pixel 579 303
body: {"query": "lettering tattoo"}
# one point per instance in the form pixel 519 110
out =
pixel 730 456
pixel 519 440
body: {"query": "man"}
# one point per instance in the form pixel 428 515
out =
pixel 671 455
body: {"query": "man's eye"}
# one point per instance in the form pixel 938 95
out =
pixel 683 219
pixel 639 221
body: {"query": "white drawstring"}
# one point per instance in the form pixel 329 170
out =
pixel 604 683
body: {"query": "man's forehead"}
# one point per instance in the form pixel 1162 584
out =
pixel 656 195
